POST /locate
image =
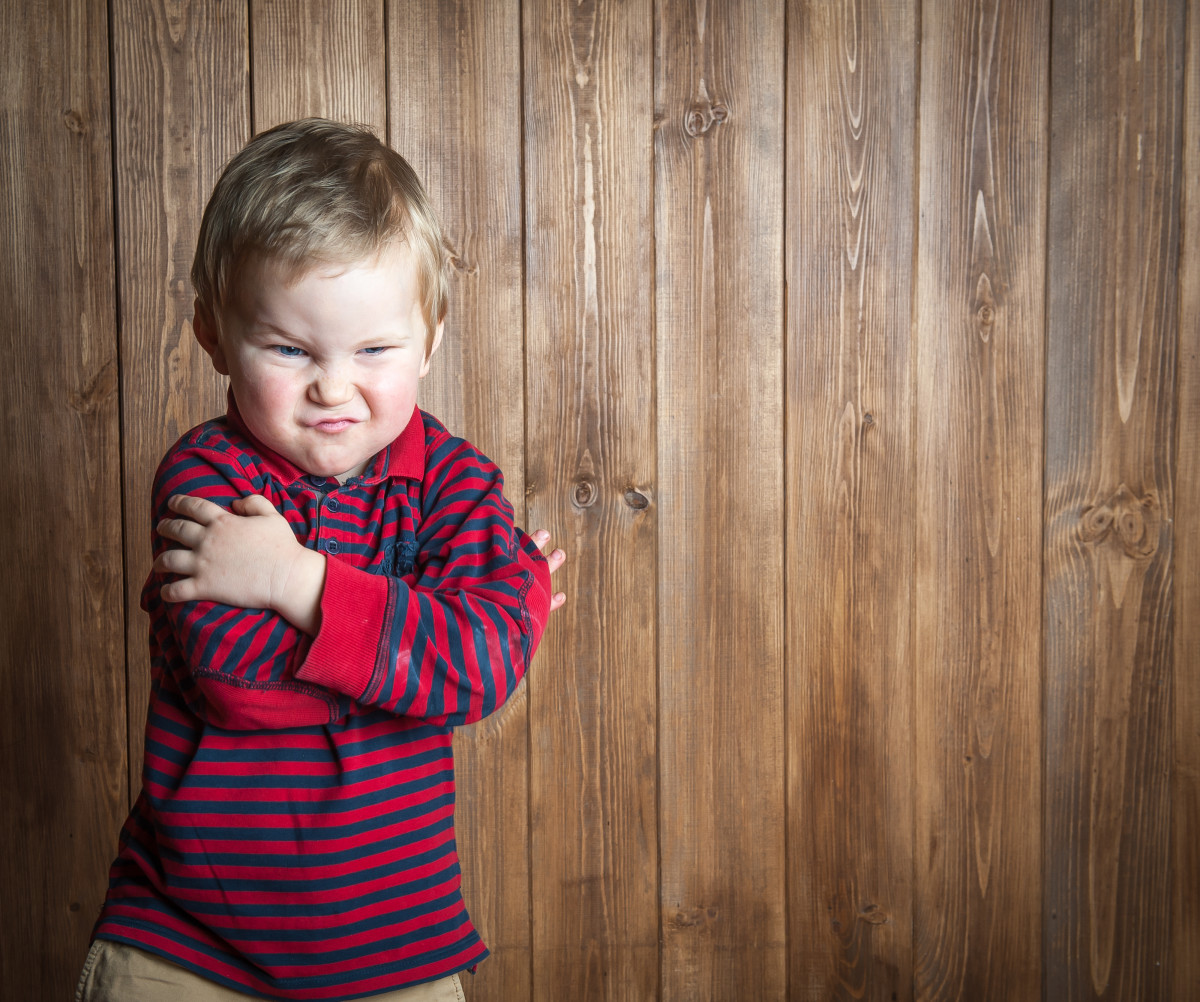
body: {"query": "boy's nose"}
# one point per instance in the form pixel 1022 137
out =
pixel 330 388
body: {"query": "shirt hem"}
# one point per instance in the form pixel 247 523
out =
pixel 301 993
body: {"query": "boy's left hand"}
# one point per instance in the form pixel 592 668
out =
pixel 554 559
pixel 247 557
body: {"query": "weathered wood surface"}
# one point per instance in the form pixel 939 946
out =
pixel 454 90
pixel 977 500
pixel 317 57
pixel 180 111
pixel 718 157
pixel 1185 767
pixel 1114 179
pixel 62 739
pixel 590 474
pixel 851 111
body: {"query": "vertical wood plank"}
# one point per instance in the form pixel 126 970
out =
pixel 979 337
pixel 851 115
pixel 62 740
pixel 590 460
pixel 317 57
pixel 718 158
pixel 454 94
pixel 1185 772
pixel 1110 422
pixel 181 111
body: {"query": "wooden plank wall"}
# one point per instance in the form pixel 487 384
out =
pixel 851 350
pixel 62 735
pixel 1110 499
pixel 852 92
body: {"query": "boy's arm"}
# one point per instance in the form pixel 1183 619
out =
pixel 449 643
pixel 246 555
pixel 233 664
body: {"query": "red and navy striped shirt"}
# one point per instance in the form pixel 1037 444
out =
pixel 294 836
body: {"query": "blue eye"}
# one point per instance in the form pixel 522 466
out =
pixel 289 350
pixel 378 350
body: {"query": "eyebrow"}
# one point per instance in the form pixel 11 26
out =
pixel 261 330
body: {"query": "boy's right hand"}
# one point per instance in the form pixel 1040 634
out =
pixel 246 557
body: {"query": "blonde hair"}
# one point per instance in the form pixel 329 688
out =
pixel 315 191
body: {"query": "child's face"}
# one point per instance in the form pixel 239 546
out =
pixel 325 369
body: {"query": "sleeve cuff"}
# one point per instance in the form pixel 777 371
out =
pixel 342 655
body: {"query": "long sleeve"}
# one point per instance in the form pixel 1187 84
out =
pixel 450 641
pixel 433 601
pixel 279 802
pixel 234 667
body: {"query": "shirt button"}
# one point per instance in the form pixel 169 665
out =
pixel 331 546
pixel 319 481
pixel 331 504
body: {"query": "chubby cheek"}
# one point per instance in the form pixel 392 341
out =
pixel 268 400
pixel 395 400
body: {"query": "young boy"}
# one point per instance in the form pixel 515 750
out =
pixel 337 582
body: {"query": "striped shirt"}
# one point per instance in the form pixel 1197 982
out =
pixel 294 836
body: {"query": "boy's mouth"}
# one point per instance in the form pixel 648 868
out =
pixel 333 425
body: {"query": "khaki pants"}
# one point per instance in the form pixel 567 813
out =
pixel 114 972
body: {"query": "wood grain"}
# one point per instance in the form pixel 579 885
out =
pixel 851 111
pixel 62 738
pixel 1185 770
pixel 718 155
pixel 979 340
pixel 590 462
pixel 180 112
pixel 1110 423
pixel 454 99
pixel 317 57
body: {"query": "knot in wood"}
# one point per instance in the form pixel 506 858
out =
pixel 1124 521
pixel 687 918
pixel 74 122
pixel 97 392
pixel 456 260
pixel 636 499
pixel 873 915
pixel 584 494
pixel 986 315
pixel 702 116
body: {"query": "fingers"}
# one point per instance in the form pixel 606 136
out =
pixel 197 509
pixel 175 562
pixel 556 558
pixel 181 530
pixel 253 504
pixel 183 590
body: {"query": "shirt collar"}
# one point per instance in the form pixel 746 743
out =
pixel 405 457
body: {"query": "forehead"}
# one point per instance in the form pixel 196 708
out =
pixel 394 258
pixel 393 268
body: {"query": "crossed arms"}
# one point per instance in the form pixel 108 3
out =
pixel 262 632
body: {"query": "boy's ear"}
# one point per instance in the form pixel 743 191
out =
pixel 205 329
pixel 437 339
